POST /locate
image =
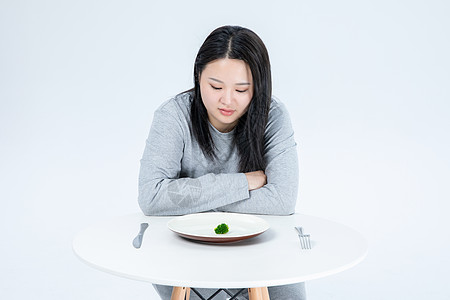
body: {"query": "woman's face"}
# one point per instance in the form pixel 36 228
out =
pixel 226 88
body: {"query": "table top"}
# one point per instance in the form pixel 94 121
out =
pixel 272 258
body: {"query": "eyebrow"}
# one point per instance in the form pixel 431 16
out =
pixel 240 83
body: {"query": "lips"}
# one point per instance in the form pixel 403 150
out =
pixel 226 112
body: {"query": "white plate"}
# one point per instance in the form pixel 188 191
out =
pixel 201 226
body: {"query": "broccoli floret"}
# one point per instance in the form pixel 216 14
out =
pixel 221 229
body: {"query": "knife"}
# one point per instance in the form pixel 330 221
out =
pixel 137 242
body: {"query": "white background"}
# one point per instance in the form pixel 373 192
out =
pixel 366 83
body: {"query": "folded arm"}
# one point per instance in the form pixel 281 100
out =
pixel 163 192
pixel 279 195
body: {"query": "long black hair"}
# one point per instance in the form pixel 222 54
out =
pixel 235 42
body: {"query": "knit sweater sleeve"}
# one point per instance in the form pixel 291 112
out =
pixel 161 189
pixel 279 195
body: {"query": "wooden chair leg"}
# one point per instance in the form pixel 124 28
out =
pixel 258 293
pixel 179 293
pixel 254 294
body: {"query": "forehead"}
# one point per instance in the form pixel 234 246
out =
pixel 226 69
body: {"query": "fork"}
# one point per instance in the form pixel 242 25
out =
pixel 305 240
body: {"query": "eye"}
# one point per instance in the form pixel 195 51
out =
pixel 241 91
pixel 216 88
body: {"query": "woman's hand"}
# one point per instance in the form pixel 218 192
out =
pixel 256 179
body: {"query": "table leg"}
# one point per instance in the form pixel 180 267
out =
pixel 265 293
pixel 258 293
pixel 179 293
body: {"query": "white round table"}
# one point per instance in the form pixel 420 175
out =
pixel 270 259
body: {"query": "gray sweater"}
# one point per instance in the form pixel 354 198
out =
pixel 176 178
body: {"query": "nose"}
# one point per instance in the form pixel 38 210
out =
pixel 226 98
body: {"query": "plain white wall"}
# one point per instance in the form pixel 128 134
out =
pixel 366 83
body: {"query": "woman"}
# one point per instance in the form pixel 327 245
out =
pixel 226 145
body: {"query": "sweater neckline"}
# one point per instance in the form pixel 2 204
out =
pixel 228 135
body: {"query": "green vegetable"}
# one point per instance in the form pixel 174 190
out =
pixel 221 229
